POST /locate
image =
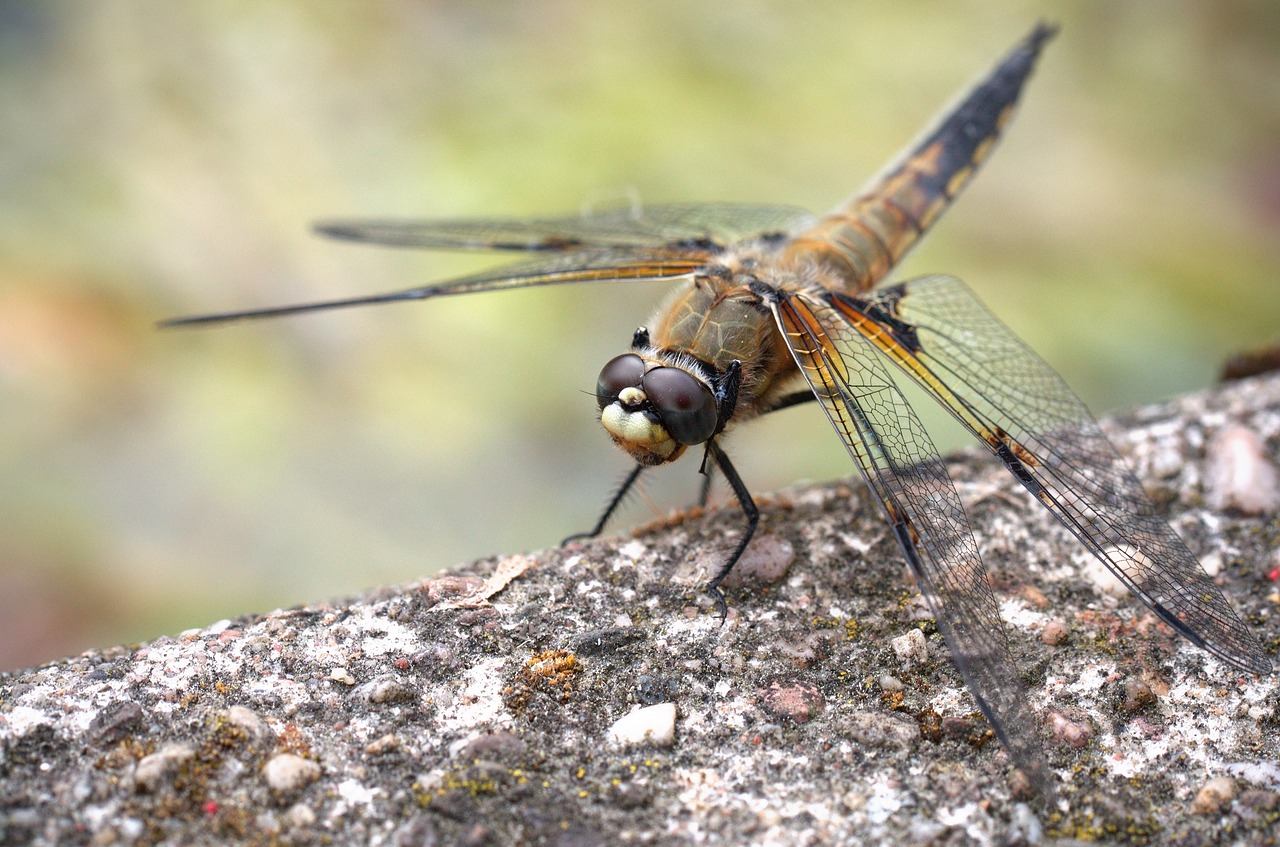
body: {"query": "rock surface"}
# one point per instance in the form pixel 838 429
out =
pixel 475 708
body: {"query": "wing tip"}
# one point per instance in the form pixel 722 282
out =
pixel 337 229
pixel 1043 32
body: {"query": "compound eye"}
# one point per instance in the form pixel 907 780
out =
pixel 620 372
pixel 685 404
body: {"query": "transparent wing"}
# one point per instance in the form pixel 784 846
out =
pixel 904 470
pixel 558 269
pixel 939 333
pixel 703 225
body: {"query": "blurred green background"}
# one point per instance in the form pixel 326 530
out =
pixel 161 158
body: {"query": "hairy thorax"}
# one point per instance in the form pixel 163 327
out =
pixel 716 317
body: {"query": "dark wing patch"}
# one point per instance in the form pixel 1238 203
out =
pixel 1019 406
pixel 905 472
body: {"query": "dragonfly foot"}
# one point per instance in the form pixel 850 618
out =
pixel 722 605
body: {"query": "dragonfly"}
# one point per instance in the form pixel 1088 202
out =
pixel 776 308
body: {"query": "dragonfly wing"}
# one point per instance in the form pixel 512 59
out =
pixel 904 470
pixel 708 225
pixel 940 334
pixel 558 269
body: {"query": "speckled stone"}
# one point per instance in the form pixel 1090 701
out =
pixel 287 773
pixel 161 766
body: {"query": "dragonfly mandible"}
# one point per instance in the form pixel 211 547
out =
pixel 776 308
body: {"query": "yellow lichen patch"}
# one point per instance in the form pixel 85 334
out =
pixel 850 626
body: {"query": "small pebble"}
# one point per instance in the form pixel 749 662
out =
pixel 1075 733
pixel 911 647
pixel 286 773
pixel 391 691
pixel 1021 787
pixel 1260 800
pixel 500 745
pixel 300 815
pixel 881 729
pixel 1238 474
pixel 444 588
pixel 1212 563
pixel 1102 577
pixel 342 675
pixel 1054 633
pixel 654 725
pixel 161 766
pixel 764 562
pixel 889 684
pixel 796 703
pixel 1137 695
pixel 1214 796
pixel 116 721
pixel 768 817
pixel 249 722
pixel 1034 596
pixel 385 744
pixel 854 800
pixel 956 728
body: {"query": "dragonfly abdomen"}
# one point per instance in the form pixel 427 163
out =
pixel 863 239
pixel 861 245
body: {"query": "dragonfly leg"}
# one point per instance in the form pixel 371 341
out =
pixel 785 402
pixel 704 492
pixel 614 502
pixel 753 519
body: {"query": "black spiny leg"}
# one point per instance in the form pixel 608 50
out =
pixel 614 501
pixel 704 492
pixel 753 519
pixel 784 402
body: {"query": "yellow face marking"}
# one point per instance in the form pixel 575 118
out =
pixel 645 439
pixel 631 396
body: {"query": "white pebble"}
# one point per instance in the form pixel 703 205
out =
pixel 287 773
pixel 1238 474
pixel 300 815
pixel 1103 578
pixel 249 722
pixel 1214 796
pixel 1212 563
pixel 342 675
pixel 655 725
pixel 911 647
pixel 161 766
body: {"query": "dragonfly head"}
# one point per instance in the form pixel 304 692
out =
pixel 654 409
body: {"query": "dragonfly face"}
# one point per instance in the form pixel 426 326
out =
pixel 776 308
pixel 652 410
